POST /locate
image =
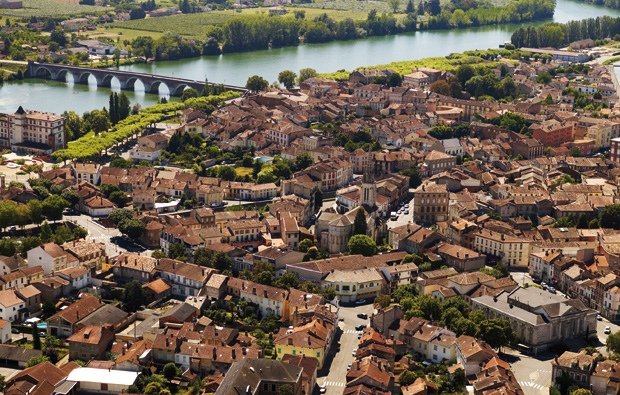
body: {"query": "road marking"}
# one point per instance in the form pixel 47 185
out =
pixel 347 331
pixel 534 376
pixel 334 384
pixel 530 384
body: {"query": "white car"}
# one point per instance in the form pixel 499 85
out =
pixel 607 330
pixel 361 301
pixel 354 351
pixel 322 389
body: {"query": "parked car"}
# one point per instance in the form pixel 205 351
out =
pixel 355 351
pixel 551 289
pixel 362 316
pixel 14 330
pixel 360 334
pixel 361 301
pixel 323 389
pixel 599 318
pixel 360 327
pixel 406 212
pixel 349 367
pixel 607 331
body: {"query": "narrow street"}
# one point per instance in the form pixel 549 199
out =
pixel 333 375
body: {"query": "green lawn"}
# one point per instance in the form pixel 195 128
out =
pixel 47 8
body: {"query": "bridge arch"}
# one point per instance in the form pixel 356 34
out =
pixel 153 87
pixel 106 80
pixel 81 77
pixel 178 89
pixel 42 72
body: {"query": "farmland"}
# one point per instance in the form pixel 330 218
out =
pixel 46 8
pixel 196 25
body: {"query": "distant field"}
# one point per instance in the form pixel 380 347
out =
pixel 45 8
pixel 196 25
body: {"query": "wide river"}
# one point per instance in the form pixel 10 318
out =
pixel 234 69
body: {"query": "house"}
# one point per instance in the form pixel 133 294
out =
pixel 261 377
pixel 157 289
pixel 51 257
pixel 90 342
pixel 102 380
pixel 312 339
pixel 539 318
pixel 11 264
pixel 309 372
pixel 5 331
pixel 98 206
pixel 186 279
pixel 12 306
pixel 89 253
pixel 107 315
pixel 62 324
pixel 79 276
pixel 472 353
pixel 134 358
pixel 430 203
pixel 88 172
pixel 131 266
pixel 357 284
pixel 268 299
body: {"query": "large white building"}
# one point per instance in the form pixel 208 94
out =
pixel 32 132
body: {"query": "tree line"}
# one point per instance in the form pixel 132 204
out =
pixel 559 34
pixel 515 12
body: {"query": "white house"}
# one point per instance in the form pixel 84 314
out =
pixel 98 206
pixel 5 331
pixel 452 146
pixel 51 257
pixel 79 276
pixel 10 305
pixel 102 381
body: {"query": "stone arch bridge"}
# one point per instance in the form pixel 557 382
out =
pixel 127 79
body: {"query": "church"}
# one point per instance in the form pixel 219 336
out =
pixel 333 229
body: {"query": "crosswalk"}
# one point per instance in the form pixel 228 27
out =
pixel 334 384
pixel 103 237
pixel 524 384
pixel 350 331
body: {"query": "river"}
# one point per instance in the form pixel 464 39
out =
pixel 234 69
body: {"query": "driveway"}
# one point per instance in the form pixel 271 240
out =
pixel 333 374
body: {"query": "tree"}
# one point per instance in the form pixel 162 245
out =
pixel 2 383
pixel 119 198
pixel 62 234
pixel 414 176
pixel 304 245
pixel 464 73
pixel 581 391
pixel 36 360
pixel 286 389
pixel 405 291
pixel 287 78
pixel 548 100
pixel 582 222
pixel 610 217
pixel 189 93
pixel 257 83
pixel 58 36
pixel 362 244
pixel 306 73
pixel 36 339
pixel 441 87
pixel 169 371
pixel 22 216
pixel 134 296
pixel 593 224
pixel 49 309
pixel 131 227
pixel 613 343
pixel 360 226
pixel 176 251
pixel 288 280
pixel 124 106
pixel 46 232
pixel 407 378
pixel 100 123
pixel 116 58
pixel 394 80
pixel 35 211
pixel 120 214
pixel 318 198
pixel 226 173
pixel 543 78
pixel 410 9
pixel 394 5
pixel 71 196
pixel 497 332
pixel 382 301
pixel 53 207
pixel 303 160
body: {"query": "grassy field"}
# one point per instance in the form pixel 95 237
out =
pixel 242 171
pixel 45 8
pixel 196 25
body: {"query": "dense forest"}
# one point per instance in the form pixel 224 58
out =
pixel 560 34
